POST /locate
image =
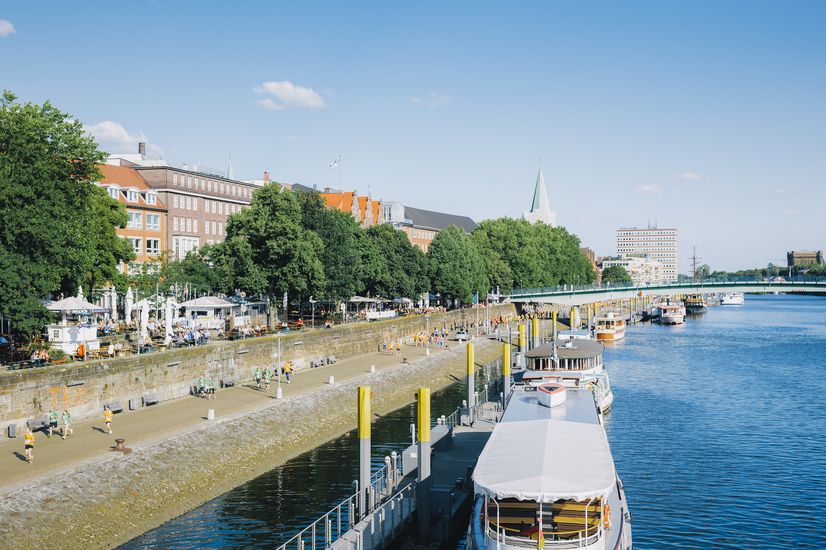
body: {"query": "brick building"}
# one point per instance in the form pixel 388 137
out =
pixel 800 258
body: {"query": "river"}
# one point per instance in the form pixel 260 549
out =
pixel 718 432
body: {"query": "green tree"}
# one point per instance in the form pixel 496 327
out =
pixel 341 257
pixel 288 255
pixel 232 262
pixel 456 267
pixel 615 274
pixel 393 267
pixel 56 229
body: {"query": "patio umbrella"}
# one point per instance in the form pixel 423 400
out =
pixel 170 312
pixel 113 303
pixel 130 302
pixel 144 306
pixel 80 292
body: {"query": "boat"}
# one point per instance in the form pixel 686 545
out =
pixel 546 477
pixel 732 299
pixel 671 313
pixel 575 363
pixel 609 327
pixel 695 303
pixel 575 334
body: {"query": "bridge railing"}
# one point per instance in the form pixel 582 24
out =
pixel 710 283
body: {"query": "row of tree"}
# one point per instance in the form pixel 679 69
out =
pixel 58 231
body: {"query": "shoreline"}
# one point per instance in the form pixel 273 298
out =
pixel 129 495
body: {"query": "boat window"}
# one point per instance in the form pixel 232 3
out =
pixel 561 521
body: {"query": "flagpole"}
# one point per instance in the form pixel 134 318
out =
pixel 339 173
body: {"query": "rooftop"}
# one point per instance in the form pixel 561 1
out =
pixel 428 219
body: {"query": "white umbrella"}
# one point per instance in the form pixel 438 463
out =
pixel 130 302
pixel 144 306
pixel 170 311
pixel 113 303
pixel 80 291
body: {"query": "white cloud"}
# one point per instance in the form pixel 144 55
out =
pixel 293 138
pixel 652 189
pixel 431 100
pixel 6 28
pixel 792 213
pixel 114 138
pixel 688 176
pixel 288 96
pixel 782 191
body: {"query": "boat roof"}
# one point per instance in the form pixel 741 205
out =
pixel 546 454
pixel 577 348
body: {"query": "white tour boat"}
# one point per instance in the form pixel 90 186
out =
pixel 575 334
pixel 546 477
pixel 609 327
pixel 575 363
pixel 671 314
pixel 732 299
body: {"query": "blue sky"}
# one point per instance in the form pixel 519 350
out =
pixel 705 116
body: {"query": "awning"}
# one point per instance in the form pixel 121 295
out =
pixel 212 302
pixel 545 461
pixel 74 305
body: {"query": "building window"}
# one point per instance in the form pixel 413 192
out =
pixel 153 247
pixel 135 220
pixel 174 179
pixel 136 244
pixel 195 225
pixel 175 201
pixel 175 223
pixel 220 208
pixel 214 227
pixel 222 187
pixel 189 225
pixel 220 228
pixel 195 203
pixel 203 184
pixel 132 195
pixel 214 207
pixel 114 192
pixel 189 203
pixel 153 222
pixel 151 198
pixel 189 182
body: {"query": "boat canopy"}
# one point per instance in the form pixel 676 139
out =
pixel 568 349
pixel 545 461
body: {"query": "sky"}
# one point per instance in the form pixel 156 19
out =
pixel 704 116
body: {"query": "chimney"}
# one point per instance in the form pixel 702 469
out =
pixel 266 176
pixel 142 148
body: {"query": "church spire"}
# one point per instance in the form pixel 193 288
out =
pixel 540 206
pixel 230 175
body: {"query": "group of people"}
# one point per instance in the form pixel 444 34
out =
pixel 436 338
pixel 39 357
pixel 266 375
pixel 65 430
pixel 206 387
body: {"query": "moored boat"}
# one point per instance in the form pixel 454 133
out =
pixel 732 299
pixel 695 303
pixel 609 327
pixel 671 314
pixel 546 477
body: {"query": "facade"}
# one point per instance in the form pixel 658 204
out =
pixel 146 228
pixel 643 269
pixel 657 243
pixel 540 210
pixel 799 258
pixel 420 225
pixel 364 209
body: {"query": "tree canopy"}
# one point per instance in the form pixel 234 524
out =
pixel 615 274
pixel 57 228
pixel 456 267
pixel 393 267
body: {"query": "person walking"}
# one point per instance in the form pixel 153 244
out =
pixel 210 388
pixel 67 424
pixel 29 444
pixel 267 376
pixel 258 377
pixel 202 385
pixel 52 421
pixel 288 369
pixel 107 417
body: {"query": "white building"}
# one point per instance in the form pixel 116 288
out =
pixel 540 206
pixel 643 269
pixel 657 243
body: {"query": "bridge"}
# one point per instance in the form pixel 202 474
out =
pixel 571 295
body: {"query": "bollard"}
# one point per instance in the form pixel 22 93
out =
pixel 423 486
pixel 331 380
pixel 278 393
pixel 522 338
pixel 571 320
pixel 364 414
pixel 210 414
pixel 534 333
pixel 553 316
pixel 506 371
pixel 471 382
pixel 427 352
pixel 372 368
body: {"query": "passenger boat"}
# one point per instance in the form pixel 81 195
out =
pixel 671 314
pixel 546 477
pixel 575 334
pixel 574 363
pixel 732 299
pixel 695 303
pixel 609 327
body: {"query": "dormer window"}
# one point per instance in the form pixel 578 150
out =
pixel 114 192
pixel 151 198
pixel 132 195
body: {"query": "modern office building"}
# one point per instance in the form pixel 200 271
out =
pixel 655 242
pixel 643 269
pixel 800 258
pixel 146 227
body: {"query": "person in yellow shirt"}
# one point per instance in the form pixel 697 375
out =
pixel 107 416
pixel 29 439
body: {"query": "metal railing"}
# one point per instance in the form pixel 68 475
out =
pixel 331 526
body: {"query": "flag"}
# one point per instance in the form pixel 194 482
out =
pixel 336 162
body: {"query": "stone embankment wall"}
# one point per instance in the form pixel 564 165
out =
pixel 103 503
pixel 83 388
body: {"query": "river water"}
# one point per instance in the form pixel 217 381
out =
pixel 718 431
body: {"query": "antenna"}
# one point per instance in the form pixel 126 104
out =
pixel 694 261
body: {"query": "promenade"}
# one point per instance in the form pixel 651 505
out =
pixel 149 425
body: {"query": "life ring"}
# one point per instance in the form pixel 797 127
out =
pixel 606 516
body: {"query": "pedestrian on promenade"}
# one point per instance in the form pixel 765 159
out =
pixel 288 369
pixel 29 444
pixel 202 385
pixel 267 380
pixel 210 388
pixel 398 347
pixel 67 424
pixel 258 378
pixel 107 417
pixel 52 421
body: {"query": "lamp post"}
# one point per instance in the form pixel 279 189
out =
pixel 312 309
pixel 278 392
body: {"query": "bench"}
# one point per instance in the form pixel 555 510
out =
pixel 114 406
pixel 228 382
pixel 38 423
pixel 150 399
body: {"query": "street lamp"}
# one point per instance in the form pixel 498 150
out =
pixel 312 307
